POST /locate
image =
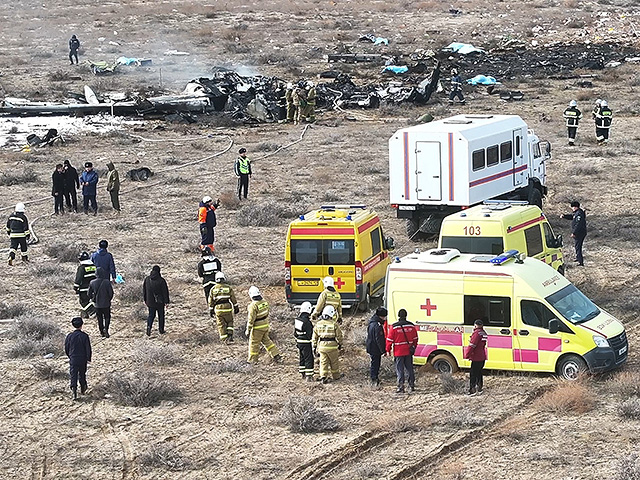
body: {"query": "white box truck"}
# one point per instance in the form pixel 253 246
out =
pixel 441 167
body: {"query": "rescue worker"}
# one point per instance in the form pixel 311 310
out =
pixel 258 328
pixel 328 296
pixel 71 184
pixel 74 45
pixel 326 342
pixel 291 108
pixel 596 107
pixel 578 229
pixel 101 294
pixel 456 88
pixel 402 339
pixel 89 182
pixel 299 101
pixel 19 234
pixel 77 347
pixel 207 221
pixel 376 346
pixel 113 186
pixel 572 117
pixel 603 118
pixel 58 189
pixel 242 169
pixel 85 273
pixel 303 332
pixel 477 353
pixel 222 306
pixel 281 95
pixel 207 269
pixel 103 258
pixel 312 94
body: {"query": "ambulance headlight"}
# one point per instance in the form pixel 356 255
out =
pixel 600 341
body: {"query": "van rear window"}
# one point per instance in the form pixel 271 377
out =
pixel 486 245
pixel 306 252
pixel 322 252
pixel 339 252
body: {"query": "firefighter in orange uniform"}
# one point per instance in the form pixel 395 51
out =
pixel 207 221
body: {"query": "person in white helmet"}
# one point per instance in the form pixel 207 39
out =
pixel 572 116
pixel 456 88
pixel 327 342
pixel 328 296
pixel 19 234
pixel 222 306
pixel 310 110
pixel 291 108
pixel 258 328
pixel 207 221
pixel 303 332
pixel 603 118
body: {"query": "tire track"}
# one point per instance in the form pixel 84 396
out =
pixel 129 468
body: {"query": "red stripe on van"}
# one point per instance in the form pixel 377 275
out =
pixel 322 231
pixel 525 224
pixel 367 225
pixel 424 350
pixel 405 142
pixel 456 272
pixel 496 176
pixel 451 167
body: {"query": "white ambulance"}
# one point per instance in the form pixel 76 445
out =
pixel 441 167
pixel 536 320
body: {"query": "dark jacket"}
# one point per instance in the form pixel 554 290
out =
pixel 375 336
pixel 207 215
pixel 103 258
pixel 92 179
pixel 77 346
pixel 207 269
pixel 303 329
pixel 58 181
pixel 401 336
pixel 74 44
pixel 18 225
pixel 572 116
pixel 155 290
pixel 100 289
pixel 476 351
pixel 85 273
pixel 113 179
pixel 71 178
pixel 578 222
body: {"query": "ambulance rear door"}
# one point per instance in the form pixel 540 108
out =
pixel 339 263
pixel 307 269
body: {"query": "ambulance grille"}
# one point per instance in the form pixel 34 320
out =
pixel 617 343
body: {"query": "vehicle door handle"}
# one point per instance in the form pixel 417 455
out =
pixel 523 332
pixel 330 270
pixel 505 331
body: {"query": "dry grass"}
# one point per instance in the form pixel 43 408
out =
pixel 229 200
pixel 230 365
pixel 269 214
pixel 146 354
pixel 626 384
pixel 164 455
pixel 48 370
pixel 13 310
pixel 302 414
pixel 141 389
pixel 65 252
pixel 463 419
pixel 402 423
pixel 567 397
pixel 628 468
pixel 630 408
pixel 451 384
pixel 26 175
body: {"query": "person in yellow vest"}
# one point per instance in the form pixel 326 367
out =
pixel 242 169
pixel 327 341
pixel 258 328
pixel 329 296
pixel 222 306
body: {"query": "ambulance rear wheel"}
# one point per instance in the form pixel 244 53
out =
pixel 444 363
pixel 571 367
pixel 363 306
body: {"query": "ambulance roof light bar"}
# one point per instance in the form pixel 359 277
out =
pixel 503 257
pixel 342 207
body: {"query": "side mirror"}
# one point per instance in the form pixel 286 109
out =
pixel 548 148
pixel 554 325
pixel 389 243
pixel 559 241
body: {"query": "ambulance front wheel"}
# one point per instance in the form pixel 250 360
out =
pixel 571 367
pixel 444 363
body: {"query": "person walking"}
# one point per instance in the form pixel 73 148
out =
pixel 603 119
pixel 477 353
pixel 207 269
pixel 258 328
pixel 328 296
pixel 578 229
pixel 101 294
pixel 71 184
pixel 77 346
pixel 572 116
pixel 207 221
pixel 222 306
pixel 89 182
pixel 456 88
pixel 103 258
pixel 85 273
pixel 376 345
pixel 74 45
pixel 19 234
pixel 113 186
pixel 402 339
pixel 327 342
pixel 303 333
pixel 242 169
pixel 155 293
pixel 58 188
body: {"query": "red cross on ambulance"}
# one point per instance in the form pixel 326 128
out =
pixel 339 283
pixel 428 307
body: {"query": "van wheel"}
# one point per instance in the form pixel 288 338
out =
pixel 535 198
pixel 572 367
pixel 363 306
pixel 444 363
pixel 561 270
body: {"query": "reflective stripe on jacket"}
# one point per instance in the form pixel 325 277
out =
pixel 222 298
pixel 327 335
pixel 258 315
pixel 401 336
pixel 18 225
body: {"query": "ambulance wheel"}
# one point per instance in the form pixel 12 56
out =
pixel 363 306
pixel 535 197
pixel 444 363
pixel 571 367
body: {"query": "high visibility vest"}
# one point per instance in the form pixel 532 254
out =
pixel 243 165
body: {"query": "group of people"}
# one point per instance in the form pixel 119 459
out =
pixel 300 102
pixel 602 117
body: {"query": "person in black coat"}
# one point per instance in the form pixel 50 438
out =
pixel 77 346
pixel 578 229
pixel 71 184
pixel 101 293
pixel 74 45
pixel 58 181
pixel 376 346
pixel 303 331
pixel 156 295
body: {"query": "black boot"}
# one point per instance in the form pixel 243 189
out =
pixel 148 332
pixel 74 391
pixel 83 389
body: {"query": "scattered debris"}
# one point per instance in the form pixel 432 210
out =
pixel 102 68
pixel 370 37
pixel 508 96
pixel 138 62
pixel 483 80
pixel 397 69
pixel 462 48
pixel 176 52
pixel 141 174
pixel 356 57
pixel 49 139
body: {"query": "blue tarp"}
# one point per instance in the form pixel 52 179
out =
pixel 482 80
pixel 396 69
pixel 462 48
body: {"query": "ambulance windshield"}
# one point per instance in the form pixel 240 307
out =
pixel 573 305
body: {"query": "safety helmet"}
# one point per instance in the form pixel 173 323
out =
pixel 220 277
pixel 329 311
pixel 573 103
pixel 301 84
pixel 310 84
pixel 327 281
pixel 206 251
pixel 454 71
pixel 20 207
pixel 604 103
pixel 598 101
pixel 254 291
pixel 306 307
pixel 83 256
pixel 207 199
pixel 289 86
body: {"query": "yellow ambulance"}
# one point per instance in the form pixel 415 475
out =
pixel 501 225
pixel 344 242
pixel 536 320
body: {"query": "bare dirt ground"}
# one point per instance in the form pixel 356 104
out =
pixel 226 422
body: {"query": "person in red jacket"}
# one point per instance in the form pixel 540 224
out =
pixel 402 337
pixel 477 353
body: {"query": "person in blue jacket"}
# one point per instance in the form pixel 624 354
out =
pixel 376 346
pixel 89 182
pixel 77 346
pixel 103 259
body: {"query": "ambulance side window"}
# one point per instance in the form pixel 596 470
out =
pixel 376 243
pixel 535 314
pixel 306 252
pixel 506 151
pixel 493 311
pixel 549 238
pixel 533 238
pixel 492 155
pixel 477 159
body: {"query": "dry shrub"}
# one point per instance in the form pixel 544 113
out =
pixel 453 470
pixel 230 365
pixel 35 328
pixel 626 383
pixel 515 428
pixel 369 470
pixel 191 245
pixel 64 252
pixel 130 293
pixel 164 455
pixel 586 170
pixel 19 177
pixel 463 419
pixel 359 336
pixel 141 389
pixel 402 423
pixel 229 200
pixel 13 310
pixel 196 338
pixel 49 389
pixel 301 414
pixel 450 384
pixel 48 370
pixel 270 214
pixel 567 397
pixel 628 468
pixel 28 347
pixel 53 275
pixel 160 354
pixel 630 408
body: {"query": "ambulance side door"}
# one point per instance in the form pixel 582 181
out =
pixel 375 266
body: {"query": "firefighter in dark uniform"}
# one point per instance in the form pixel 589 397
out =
pixel 207 269
pixel 578 228
pixel 603 117
pixel 456 88
pixel 77 346
pixel 85 273
pixel 19 234
pixel 242 169
pixel 572 117
pixel 303 331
